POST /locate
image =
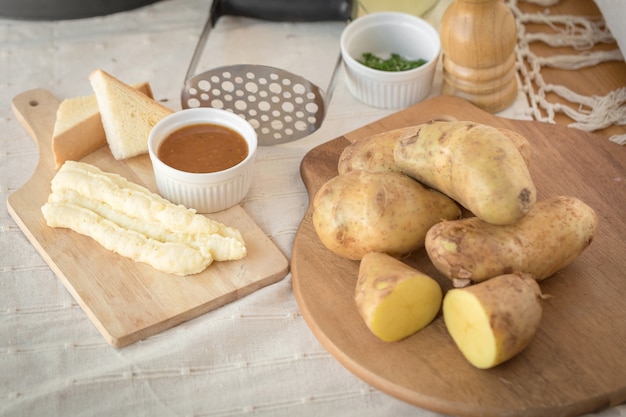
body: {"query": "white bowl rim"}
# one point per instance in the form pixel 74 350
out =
pixel 197 115
pixel 388 17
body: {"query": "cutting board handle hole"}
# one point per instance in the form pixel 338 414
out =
pixel 33 103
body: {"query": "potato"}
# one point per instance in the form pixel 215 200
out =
pixel 493 321
pixel 478 166
pixel 395 300
pixel 361 212
pixel 520 142
pixel 547 239
pixel 374 153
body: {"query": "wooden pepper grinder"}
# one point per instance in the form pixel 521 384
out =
pixel 478 39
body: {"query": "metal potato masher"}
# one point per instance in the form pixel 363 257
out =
pixel 280 105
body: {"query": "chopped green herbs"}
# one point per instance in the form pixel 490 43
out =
pixel 394 63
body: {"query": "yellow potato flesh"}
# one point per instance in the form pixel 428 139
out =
pixel 394 299
pixel 407 309
pixel 494 320
pixel 468 322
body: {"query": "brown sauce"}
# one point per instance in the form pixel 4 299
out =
pixel 203 148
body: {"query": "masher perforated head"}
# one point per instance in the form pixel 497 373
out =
pixel 281 106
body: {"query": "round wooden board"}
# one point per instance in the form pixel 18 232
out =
pixel 576 362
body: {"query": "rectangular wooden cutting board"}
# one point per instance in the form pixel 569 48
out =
pixel 575 364
pixel 125 300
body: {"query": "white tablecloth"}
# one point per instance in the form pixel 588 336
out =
pixel 255 356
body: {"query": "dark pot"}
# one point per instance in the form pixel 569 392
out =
pixel 65 9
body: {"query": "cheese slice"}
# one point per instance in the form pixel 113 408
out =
pixel 129 219
pixel 173 258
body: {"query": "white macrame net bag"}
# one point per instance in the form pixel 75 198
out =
pixel 582 34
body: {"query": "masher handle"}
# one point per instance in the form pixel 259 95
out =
pixel 273 10
pixel 286 10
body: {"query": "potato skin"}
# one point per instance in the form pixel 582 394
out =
pixel 361 212
pixel 521 143
pixel 374 153
pixel 477 165
pixel 548 238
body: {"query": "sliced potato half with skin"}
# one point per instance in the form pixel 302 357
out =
pixel 394 299
pixel 494 320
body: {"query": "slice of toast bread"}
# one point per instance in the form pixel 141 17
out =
pixel 78 129
pixel 127 115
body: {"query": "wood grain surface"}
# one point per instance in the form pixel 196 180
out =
pixel 125 300
pixel 576 364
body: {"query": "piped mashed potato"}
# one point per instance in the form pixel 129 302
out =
pixel 130 220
